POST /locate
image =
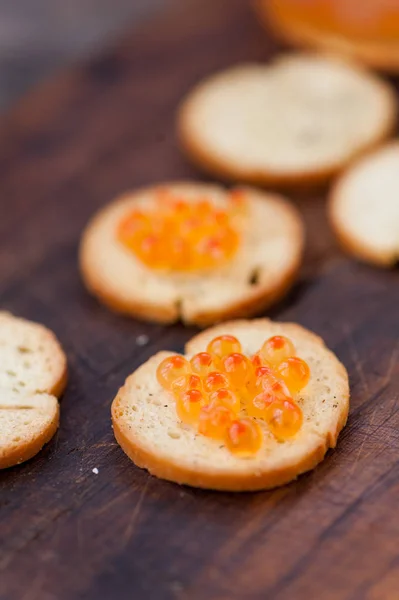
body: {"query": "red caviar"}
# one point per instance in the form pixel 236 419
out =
pixel 202 363
pixel 238 369
pixel 188 406
pixel 186 382
pixel 221 392
pixel 244 437
pixel 284 418
pixel 181 235
pixel 223 345
pixel 214 381
pixel 214 420
pixel 276 349
pixel 227 398
pixel 170 369
pixel 295 373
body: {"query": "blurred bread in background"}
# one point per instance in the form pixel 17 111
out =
pixel 365 30
pixel 299 119
pixel 364 207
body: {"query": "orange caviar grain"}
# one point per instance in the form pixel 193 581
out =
pixel 223 345
pixel 178 234
pixel 214 421
pixel 244 437
pixel 258 405
pixel 188 406
pixel 215 381
pixel 276 388
pixel 256 361
pixel 276 349
pixel 262 378
pixel 238 369
pixel 239 203
pixel 202 363
pixel 227 398
pixel 295 373
pixel 170 369
pixel 186 382
pixel 284 418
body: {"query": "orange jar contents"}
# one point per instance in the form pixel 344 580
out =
pixel 364 21
pixel 226 395
pixel 179 235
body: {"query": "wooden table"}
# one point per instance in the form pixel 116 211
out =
pixel 67 533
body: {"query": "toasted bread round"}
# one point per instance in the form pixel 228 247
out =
pixel 297 120
pixel 147 428
pixel 364 207
pixel 33 374
pixel 371 53
pixel 261 271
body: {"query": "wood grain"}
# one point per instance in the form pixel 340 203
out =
pixel 66 533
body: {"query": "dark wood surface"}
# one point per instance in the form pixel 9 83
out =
pixel 67 533
pixel 38 36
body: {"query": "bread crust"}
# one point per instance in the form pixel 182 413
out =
pixel 360 249
pixel 368 53
pixel 207 160
pixel 210 475
pixel 28 448
pixel 245 302
pixel 31 439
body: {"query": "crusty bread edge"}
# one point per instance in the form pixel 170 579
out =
pixel 259 300
pixel 348 243
pixel 367 53
pixel 28 450
pixel 207 162
pixel 172 471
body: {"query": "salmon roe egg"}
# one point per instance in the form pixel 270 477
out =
pixel 256 361
pixel 284 418
pixel 214 381
pixel 188 406
pixel 258 405
pixel 170 369
pixel 264 377
pixel 178 234
pixel 226 398
pixel 238 369
pixel 244 437
pixel 214 420
pixel 295 373
pixel 202 364
pixel 186 382
pixel 276 349
pixel 276 388
pixel 223 345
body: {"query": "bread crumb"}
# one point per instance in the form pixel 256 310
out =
pixel 95 471
pixel 142 340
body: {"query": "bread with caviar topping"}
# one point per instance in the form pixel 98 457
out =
pixel 259 273
pixel 370 52
pixel 33 374
pixel 364 207
pixel 297 120
pixel 147 427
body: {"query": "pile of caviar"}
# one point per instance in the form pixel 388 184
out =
pixel 224 394
pixel 180 235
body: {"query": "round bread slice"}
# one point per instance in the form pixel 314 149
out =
pixel 377 55
pixel 261 271
pixel 147 428
pixel 33 374
pixel 297 120
pixel 364 207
